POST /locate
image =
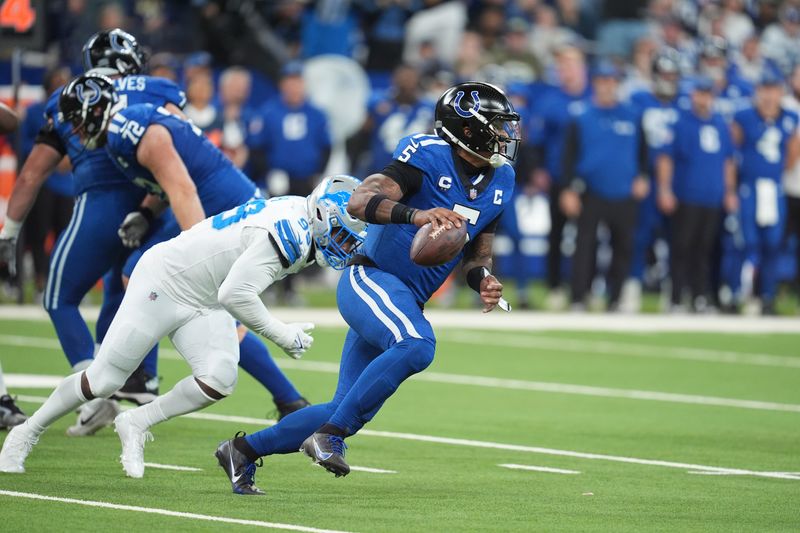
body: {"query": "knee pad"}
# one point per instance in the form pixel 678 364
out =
pixel 221 376
pixel 420 352
pixel 104 378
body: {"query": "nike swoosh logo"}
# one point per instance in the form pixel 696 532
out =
pixel 298 343
pixel 85 421
pixel 320 454
pixel 234 478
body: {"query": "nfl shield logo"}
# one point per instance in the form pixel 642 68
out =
pixel 473 193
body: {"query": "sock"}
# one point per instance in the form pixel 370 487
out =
pixel 241 444
pixel 288 435
pixel 3 389
pixel 73 333
pixel 332 429
pixel 255 359
pixel 185 397
pixel 67 397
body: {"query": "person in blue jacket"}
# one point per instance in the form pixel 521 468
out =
pixel 696 177
pixel 604 166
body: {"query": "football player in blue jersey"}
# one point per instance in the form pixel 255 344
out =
pixel 766 136
pixel 659 109
pixel 461 175
pixel 89 248
pixel 171 159
pixel 732 92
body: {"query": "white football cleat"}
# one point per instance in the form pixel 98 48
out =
pixel 133 439
pixel 94 416
pixel 16 448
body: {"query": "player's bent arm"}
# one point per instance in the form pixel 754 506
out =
pixel 175 110
pixel 157 153
pixel 9 120
pixel 42 160
pixel 477 266
pixel 376 201
pixel 240 294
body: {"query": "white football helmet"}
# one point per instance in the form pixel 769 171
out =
pixel 336 233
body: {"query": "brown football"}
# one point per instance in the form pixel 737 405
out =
pixel 432 248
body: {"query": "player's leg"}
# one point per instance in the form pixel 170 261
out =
pixel 680 252
pixel 237 456
pixel 10 414
pixel 384 312
pixel 706 230
pixel 771 240
pixel 141 322
pixel 585 249
pixel 751 235
pixel 209 344
pixel 255 359
pixel 621 219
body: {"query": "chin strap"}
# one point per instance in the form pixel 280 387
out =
pixel 496 160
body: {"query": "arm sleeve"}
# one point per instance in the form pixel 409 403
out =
pixel 408 177
pixel 571 150
pixel 255 270
pixel 49 136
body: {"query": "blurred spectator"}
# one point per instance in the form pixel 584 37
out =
pixel 398 112
pixel 441 22
pixel 766 136
pixel 294 137
pixel 52 209
pixel 164 65
pixel 579 16
pixel 199 108
pixel 547 36
pixel 639 71
pixel 732 92
pixel 551 114
pixel 197 62
pixel 604 162
pixel 696 176
pixel 749 62
pixel 234 91
pixel 385 21
pixel 329 27
pixel 471 56
pixel 781 41
pixel 791 177
pixel 736 25
pixel 515 56
pixel 111 15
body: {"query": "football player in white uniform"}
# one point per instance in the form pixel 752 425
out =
pixel 188 288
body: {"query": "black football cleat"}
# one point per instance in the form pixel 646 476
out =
pixel 290 407
pixel 10 414
pixel 240 470
pixel 140 388
pixel 327 451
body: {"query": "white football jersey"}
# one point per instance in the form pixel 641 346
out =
pixel 191 267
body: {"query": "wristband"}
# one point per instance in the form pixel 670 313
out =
pixel 475 276
pixel 11 228
pixel 147 213
pixel 372 208
pixel 402 214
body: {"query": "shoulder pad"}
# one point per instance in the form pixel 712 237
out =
pixel 416 150
pixel 166 89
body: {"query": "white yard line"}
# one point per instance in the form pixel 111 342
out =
pixel 539 469
pixel 710 473
pixel 14 380
pixel 262 422
pixel 173 467
pixel 165 512
pixel 372 470
pixel 515 321
pixel 652 351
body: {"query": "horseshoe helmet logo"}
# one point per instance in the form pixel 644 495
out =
pixel 89 92
pixel 475 107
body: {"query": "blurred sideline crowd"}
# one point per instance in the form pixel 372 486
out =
pixel 660 137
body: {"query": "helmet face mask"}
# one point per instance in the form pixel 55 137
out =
pixel 666 73
pixel 86 103
pixel 337 235
pixel 114 50
pixel 478 118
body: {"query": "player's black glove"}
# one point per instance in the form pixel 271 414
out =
pixel 134 227
pixel 8 254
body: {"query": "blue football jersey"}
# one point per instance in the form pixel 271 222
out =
pixel 658 120
pixel 389 245
pixel 92 168
pixel 764 144
pixel 220 185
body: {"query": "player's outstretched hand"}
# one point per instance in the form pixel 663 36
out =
pixel 491 292
pixel 8 254
pixel 438 216
pixel 295 339
pixel 133 229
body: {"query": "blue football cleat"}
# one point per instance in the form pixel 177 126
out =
pixel 327 451
pixel 240 470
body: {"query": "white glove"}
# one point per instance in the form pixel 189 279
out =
pixel 134 228
pixel 294 338
pixel 8 254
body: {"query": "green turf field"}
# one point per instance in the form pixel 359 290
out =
pixel 709 440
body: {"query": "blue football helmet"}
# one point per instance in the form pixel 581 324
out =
pixel 337 234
